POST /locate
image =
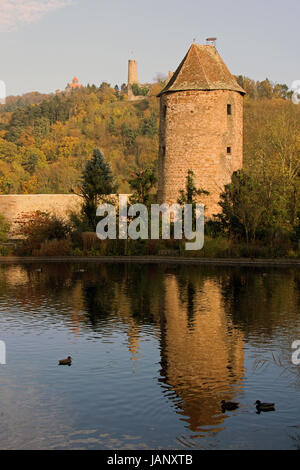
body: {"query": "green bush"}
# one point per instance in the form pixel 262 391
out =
pixel 139 91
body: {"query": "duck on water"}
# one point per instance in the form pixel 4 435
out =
pixel 261 406
pixel 65 362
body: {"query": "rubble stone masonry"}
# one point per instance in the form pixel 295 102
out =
pixel 202 131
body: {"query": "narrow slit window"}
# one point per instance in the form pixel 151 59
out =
pixel 165 111
pixel 163 150
pixel 229 109
pixel 229 150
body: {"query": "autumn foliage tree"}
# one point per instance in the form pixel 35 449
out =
pixel 37 227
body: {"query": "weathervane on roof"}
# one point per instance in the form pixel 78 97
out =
pixel 211 41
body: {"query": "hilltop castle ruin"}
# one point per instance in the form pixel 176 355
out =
pixel 132 79
pixel 74 85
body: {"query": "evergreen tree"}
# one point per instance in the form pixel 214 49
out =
pixel 141 184
pixel 97 182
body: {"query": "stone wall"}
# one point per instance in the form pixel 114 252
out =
pixel 13 205
pixel 195 133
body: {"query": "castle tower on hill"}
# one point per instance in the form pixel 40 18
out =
pixel 75 84
pixel 132 72
pixel 201 127
pixel 132 78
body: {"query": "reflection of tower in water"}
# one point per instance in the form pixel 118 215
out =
pixel 201 351
pixel 133 334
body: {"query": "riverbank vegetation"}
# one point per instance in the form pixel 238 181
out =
pixel 242 229
pixel 50 144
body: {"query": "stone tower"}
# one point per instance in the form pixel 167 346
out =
pixel 132 72
pixel 201 127
pixel 132 77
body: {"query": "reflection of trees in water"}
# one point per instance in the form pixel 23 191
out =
pixel 31 283
pixel 261 299
pixel 144 287
pixel 253 297
pixel 190 303
pixel 190 288
pixel 99 300
pixel 264 304
pixel 130 292
pixel 187 296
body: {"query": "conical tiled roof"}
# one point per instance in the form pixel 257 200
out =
pixel 202 69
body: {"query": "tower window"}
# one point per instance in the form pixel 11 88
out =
pixel 165 111
pixel 229 150
pixel 163 150
pixel 229 109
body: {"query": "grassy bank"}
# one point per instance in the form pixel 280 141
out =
pixel 90 246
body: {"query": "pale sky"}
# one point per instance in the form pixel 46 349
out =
pixel 44 43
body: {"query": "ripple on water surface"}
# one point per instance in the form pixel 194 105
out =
pixel 155 349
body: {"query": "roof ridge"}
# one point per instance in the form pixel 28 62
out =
pixel 202 68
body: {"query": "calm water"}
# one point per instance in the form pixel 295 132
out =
pixel 155 349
